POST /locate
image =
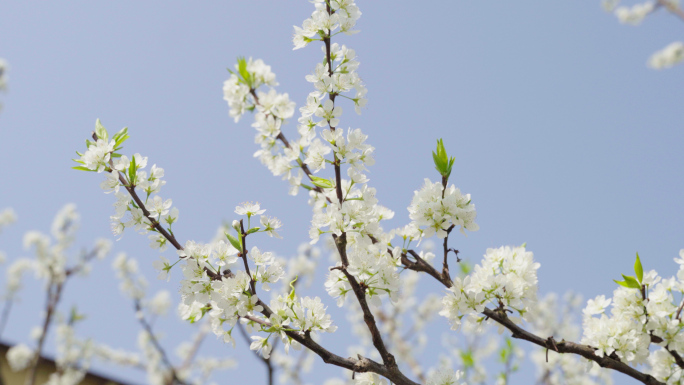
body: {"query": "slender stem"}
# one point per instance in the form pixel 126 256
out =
pixel 672 7
pixel 195 347
pixel 283 139
pixel 5 315
pixel 266 361
pixel 679 309
pixel 243 254
pixel 54 295
pixel 157 345
pixel 445 267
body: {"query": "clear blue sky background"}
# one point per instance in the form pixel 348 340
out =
pixel 563 136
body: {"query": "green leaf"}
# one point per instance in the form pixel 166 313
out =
pixel 234 241
pixel 81 168
pixel 467 358
pixel 630 282
pixel 292 293
pixel 120 140
pixel 443 163
pixel 132 171
pixel 307 187
pixel 74 316
pixel 638 269
pixel 253 230
pixel 100 131
pixel 242 69
pixel 322 182
pixel 120 134
pixel 116 155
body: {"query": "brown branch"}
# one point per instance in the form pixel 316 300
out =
pixel 54 295
pixel 586 351
pixel 445 268
pixel 157 345
pixel 131 191
pixel 673 8
pixel 679 309
pixel 675 355
pixel 422 266
pixel 360 365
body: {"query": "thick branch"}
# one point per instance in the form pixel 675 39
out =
pixel 585 351
pixel 360 365
pixel 500 317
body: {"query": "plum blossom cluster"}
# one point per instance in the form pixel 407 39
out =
pixel 634 15
pixel 250 75
pixel 272 109
pixel 336 76
pixel 152 358
pixel 229 297
pixel 435 209
pixel 644 309
pixel 330 16
pixel 505 279
pixel 668 56
pixel 129 173
pixel 51 253
pixel 374 267
pixel 53 264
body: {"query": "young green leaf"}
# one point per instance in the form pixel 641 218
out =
pixel 638 269
pixel 132 171
pixel 253 230
pixel 100 131
pixel 631 282
pixel 234 241
pixel 322 182
pixel 81 168
pixel 443 163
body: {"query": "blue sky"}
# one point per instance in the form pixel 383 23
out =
pixel 563 136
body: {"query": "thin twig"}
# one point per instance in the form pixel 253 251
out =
pixel 266 361
pixel 53 297
pixel 199 338
pixel 5 314
pixel 156 344
pixel 673 8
